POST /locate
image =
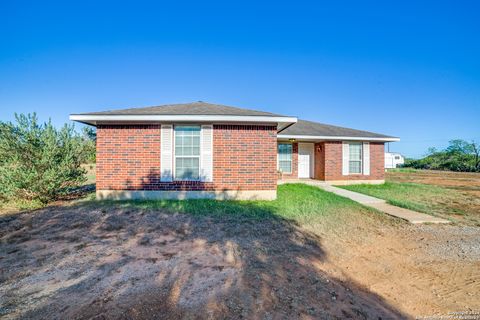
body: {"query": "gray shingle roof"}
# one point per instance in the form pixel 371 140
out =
pixel 200 108
pixel 309 128
pixel 194 108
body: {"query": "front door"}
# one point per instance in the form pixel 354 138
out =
pixel 305 160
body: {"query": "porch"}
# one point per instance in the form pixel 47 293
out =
pixel 333 162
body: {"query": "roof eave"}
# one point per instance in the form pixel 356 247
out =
pixel 336 138
pixel 94 119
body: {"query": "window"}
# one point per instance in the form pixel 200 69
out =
pixel 355 161
pixel 285 157
pixel 397 157
pixel 187 152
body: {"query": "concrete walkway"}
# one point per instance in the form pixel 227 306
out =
pixel 379 204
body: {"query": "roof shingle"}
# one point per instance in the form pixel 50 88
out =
pixel 200 108
pixel 194 108
pixel 309 128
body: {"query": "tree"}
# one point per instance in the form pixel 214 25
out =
pixel 476 155
pixel 89 143
pixel 460 155
pixel 38 161
pixel 459 146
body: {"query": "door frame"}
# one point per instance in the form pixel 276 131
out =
pixel 311 168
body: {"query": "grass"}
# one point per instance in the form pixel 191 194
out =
pixel 433 200
pixel 90 175
pixel 7 207
pixel 306 205
pixel 402 170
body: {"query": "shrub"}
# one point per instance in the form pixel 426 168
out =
pixel 37 161
pixel 89 141
pixel 458 156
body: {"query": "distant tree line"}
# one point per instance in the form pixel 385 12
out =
pixel 460 155
pixel 40 162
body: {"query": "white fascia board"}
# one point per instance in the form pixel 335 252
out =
pixel 337 138
pixel 93 119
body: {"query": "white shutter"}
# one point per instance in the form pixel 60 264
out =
pixel 345 158
pixel 366 158
pixel 206 151
pixel 166 153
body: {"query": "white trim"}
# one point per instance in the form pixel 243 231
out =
pixel 206 153
pixel 345 158
pixel 166 153
pixel 366 158
pixel 179 118
pixel 182 195
pixel 303 137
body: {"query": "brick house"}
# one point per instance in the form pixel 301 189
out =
pixel 202 150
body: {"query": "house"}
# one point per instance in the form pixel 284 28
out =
pixel 203 150
pixel 393 159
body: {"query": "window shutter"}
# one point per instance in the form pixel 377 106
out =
pixel 345 158
pixel 166 153
pixel 206 151
pixel 366 158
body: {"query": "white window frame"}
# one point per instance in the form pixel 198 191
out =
pixel 350 159
pixel 199 156
pixel 291 157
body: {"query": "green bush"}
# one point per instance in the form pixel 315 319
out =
pixel 460 155
pixel 89 142
pixel 37 161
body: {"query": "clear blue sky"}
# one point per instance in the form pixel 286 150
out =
pixel 405 68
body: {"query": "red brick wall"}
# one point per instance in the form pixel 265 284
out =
pixel 244 158
pixel 294 174
pixel 128 157
pixel 328 162
pixel 333 162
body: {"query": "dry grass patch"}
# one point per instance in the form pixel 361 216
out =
pixel 434 200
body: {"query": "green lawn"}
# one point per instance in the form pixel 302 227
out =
pixel 433 200
pixel 402 170
pixel 306 205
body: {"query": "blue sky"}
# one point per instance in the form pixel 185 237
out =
pixel 405 68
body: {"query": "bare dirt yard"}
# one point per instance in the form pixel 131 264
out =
pixel 308 255
pixel 468 182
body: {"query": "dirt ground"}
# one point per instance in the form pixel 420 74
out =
pixel 87 261
pixel 468 182
pixel 421 270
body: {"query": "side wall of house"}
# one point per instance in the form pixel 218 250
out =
pixel 128 157
pixel 244 158
pixel 328 163
pixel 333 162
